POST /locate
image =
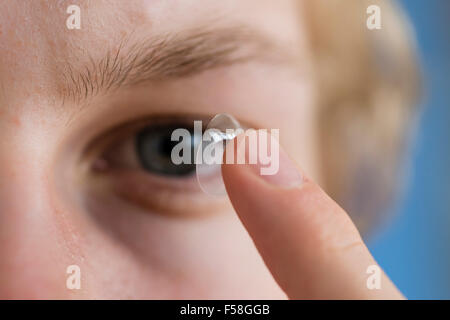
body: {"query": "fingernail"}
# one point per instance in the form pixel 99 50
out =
pixel 273 164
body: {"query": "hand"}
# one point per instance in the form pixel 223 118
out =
pixel 309 243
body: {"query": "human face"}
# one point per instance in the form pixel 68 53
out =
pixel 72 102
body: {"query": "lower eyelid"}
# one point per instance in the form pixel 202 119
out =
pixel 150 181
pixel 177 197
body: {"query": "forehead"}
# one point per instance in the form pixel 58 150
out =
pixel 39 27
pixel 35 42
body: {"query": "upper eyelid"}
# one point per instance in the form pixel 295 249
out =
pixel 121 131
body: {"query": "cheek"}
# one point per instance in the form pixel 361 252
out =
pixel 162 257
pixel 33 249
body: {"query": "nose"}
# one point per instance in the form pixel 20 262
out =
pixel 34 254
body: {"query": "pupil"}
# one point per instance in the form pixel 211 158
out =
pixel 166 146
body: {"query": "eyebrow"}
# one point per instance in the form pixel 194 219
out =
pixel 164 57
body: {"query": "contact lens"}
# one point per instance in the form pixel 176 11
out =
pixel 209 155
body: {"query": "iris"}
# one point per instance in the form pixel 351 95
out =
pixel 154 147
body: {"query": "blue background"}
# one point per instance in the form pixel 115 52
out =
pixel 414 249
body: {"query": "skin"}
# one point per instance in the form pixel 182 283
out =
pixel 167 239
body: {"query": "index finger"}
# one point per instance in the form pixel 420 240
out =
pixel 307 241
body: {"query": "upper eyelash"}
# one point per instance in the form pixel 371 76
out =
pixel 131 127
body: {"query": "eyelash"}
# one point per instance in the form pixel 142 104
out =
pixel 99 144
pixel 102 148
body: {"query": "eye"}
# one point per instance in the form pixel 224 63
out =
pixel 146 147
pixel 132 162
pixel 154 147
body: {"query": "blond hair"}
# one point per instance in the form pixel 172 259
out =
pixel 368 86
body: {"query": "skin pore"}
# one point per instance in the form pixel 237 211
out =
pixel 63 92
